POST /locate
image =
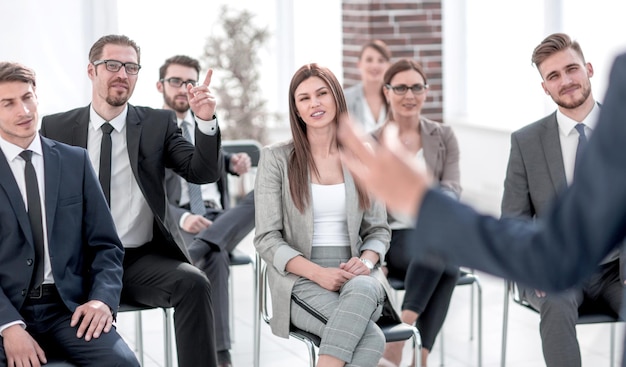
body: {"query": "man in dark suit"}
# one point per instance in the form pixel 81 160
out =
pixel 217 226
pixel 557 251
pixel 541 163
pixel 143 143
pixel 60 258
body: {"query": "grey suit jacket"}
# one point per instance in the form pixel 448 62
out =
pixel 441 153
pixel 535 172
pixel 282 232
pixel 355 100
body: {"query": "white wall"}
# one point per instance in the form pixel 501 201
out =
pixel 53 38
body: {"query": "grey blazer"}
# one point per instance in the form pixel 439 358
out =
pixel 282 232
pixel 441 153
pixel 355 100
pixel 535 173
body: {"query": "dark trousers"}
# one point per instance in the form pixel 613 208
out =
pixel 559 313
pixel 428 287
pixel 153 279
pixel 49 325
pixel 212 256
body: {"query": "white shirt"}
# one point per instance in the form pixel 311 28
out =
pixel 568 136
pixel 17 164
pixel 131 214
pixel 330 221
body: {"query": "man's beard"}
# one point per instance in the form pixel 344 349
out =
pixel 586 92
pixel 178 107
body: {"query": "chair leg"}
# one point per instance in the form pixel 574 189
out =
pixel 480 322
pixel 417 348
pixel 231 306
pixel 167 330
pixel 612 357
pixel 139 336
pixel 505 321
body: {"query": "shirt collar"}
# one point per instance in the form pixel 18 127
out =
pixel 567 125
pixel 188 118
pixel 11 151
pixel 117 122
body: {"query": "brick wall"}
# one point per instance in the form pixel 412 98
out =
pixel 410 29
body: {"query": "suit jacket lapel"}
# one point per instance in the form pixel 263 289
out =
pixel 133 133
pixel 352 208
pixel 554 157
pixel 430 145
pixel 52 180
pixel 8 183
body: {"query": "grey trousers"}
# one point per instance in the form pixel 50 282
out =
pixel 344 320
pixel 559 313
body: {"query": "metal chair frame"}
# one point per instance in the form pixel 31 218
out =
pixel 467 278
pixel 586 316
pixel 393 331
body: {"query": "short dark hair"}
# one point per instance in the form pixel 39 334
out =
pixel 552 44
pixel 179 60
pixel 15 72
pixel 112 39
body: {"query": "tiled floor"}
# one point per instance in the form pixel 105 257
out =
pixel 524 346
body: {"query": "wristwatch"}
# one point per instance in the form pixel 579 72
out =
pixel 367 263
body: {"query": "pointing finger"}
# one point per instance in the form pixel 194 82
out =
pixel 207 79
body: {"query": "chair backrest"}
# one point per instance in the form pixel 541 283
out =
pixel 252 147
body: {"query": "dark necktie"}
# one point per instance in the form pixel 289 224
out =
pixel 582 141
pixel 104 172
pixel 196 204
pixel 34 214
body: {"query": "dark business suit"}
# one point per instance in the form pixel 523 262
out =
pixel 574 234
pixel 535 175
pixel 230 226
pixel 85 255
pixel 155 143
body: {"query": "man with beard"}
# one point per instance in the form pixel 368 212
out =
pixel 130 147
pixel 217 226
pixel 541 164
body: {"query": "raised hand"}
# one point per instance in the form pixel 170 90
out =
pixel 201 101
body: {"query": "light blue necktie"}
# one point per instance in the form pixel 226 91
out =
pixel 196 204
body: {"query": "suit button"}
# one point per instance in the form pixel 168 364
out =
pixel 29 262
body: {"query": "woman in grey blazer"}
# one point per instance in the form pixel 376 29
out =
pixel 320 234
pixel 428 286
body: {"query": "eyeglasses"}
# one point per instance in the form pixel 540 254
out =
pixel 178 82
pixel 115 66
pixel 401 89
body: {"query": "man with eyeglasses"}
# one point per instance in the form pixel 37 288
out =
pixel 217 226
pixel 130 147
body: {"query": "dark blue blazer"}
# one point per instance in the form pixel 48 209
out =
pixel 85 252
pixel 575 232
pixel 154 143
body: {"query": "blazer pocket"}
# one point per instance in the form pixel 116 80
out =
pixel 71 200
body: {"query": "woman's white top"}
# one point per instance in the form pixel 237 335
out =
pixel 330 226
